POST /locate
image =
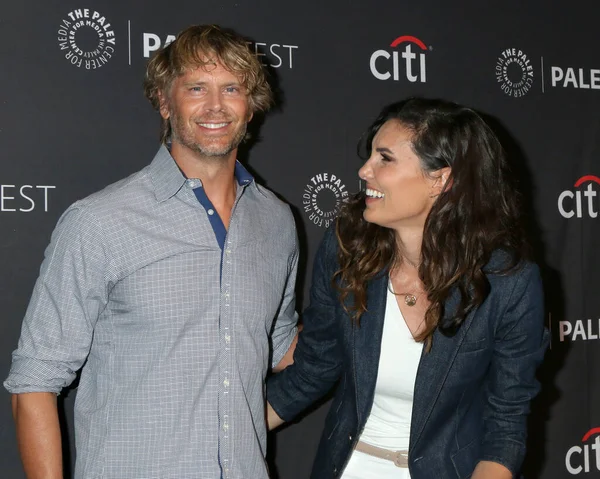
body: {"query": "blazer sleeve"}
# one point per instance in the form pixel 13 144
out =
pixel 318 356
pixel 520 340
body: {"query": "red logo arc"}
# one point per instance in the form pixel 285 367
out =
pixel 408 38
pixel 590 433
pixel 585 178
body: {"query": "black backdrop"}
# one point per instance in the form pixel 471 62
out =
pixel 73 119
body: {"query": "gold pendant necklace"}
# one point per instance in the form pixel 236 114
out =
pixel 410 299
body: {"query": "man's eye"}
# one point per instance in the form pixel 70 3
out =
pixel 232 89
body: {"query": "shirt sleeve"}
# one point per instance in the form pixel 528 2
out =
pixel 285 327
pixel 69 294
pixel 521 340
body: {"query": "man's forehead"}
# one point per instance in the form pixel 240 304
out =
pixel 207 64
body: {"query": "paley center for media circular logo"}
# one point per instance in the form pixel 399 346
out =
pixel 87 38
pixel 323 197
pixel 514 72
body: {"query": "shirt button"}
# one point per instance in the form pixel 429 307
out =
pixel 194 183
pixel 226 382
pixel 228 251
pixel 211 212
pixel 227 338
pixel 225 427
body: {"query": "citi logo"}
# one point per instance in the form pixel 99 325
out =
pixel 572 203
pixel 578 459
pixel 385 65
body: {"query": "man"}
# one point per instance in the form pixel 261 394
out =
pixel 166 287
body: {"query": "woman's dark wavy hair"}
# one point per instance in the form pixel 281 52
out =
pixel 476 213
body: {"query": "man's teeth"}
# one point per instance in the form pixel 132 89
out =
pixel 374 193
pixel 213 125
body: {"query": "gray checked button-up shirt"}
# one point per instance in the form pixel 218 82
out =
pixel 174 355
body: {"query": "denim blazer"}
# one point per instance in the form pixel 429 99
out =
pixel 472 390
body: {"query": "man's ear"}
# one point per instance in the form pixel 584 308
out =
pixel 442 181
pixel 163 107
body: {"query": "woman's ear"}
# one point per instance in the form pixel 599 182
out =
pixel 442 180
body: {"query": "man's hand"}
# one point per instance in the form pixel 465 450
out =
pixel 38 434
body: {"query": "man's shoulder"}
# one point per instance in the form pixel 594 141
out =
pixel 272 203
pixel 121 193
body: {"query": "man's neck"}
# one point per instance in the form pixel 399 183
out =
pixel 216 173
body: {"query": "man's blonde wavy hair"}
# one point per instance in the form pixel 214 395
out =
pixel 200 46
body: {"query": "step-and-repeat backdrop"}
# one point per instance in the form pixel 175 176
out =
pixel 73 119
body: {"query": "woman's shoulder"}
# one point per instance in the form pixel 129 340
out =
pixel 508 274
pixel 506 263
pixel 329 243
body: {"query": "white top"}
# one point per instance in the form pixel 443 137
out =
pixel 388 425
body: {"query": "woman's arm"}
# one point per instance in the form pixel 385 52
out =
pixel 520 342
pixel 491 470
pixel 317 359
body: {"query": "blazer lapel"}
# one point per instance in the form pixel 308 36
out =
pixel 367 345
pixel 433 369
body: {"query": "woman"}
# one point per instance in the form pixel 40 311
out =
pixel 424 307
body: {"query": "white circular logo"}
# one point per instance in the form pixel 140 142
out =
pixel 514 72
pixel 323 197
pixel 87 39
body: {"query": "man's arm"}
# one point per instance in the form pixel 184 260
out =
pixel 288 358
pixel 38 434
pixel 56 336
pixel 284 334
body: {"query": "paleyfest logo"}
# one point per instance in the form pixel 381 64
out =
pixel 276 55
pixel 87 38
pixel 24 198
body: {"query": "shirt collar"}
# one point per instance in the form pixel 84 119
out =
pixel 166 176
pixel 168 179
pixel 242 175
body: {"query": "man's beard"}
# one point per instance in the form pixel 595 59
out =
pixel 185 137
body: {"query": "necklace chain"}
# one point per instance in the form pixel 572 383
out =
pixel 410 299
